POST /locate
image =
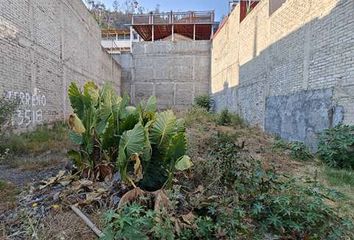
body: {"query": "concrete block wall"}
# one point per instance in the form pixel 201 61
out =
pixel 293 70
pixel 175 72
pixel 44 46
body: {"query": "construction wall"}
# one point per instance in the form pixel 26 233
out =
pixel 175 72
pixel 44 46
pixel 291 73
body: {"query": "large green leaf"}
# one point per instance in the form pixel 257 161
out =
pixel 132 142
pixel 76 157
pixel 147 110
pixel 183 163
pixel 150 106
pixel 147 151
pixel 109 101
pixel 163 129
pixel 76 138
pixel 91 91
pixel 76 100
pixel 176 149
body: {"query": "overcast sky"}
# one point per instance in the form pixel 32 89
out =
pixel 220 6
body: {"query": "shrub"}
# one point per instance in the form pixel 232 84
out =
pixel 7 108
pixel 147 147
pixel 204 101
pixel 299 151
pixel 264 201
pixel 225 118
pixel 336 147
pixel 136 222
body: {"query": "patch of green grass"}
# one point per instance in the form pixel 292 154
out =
pixel 226 118
pixel 339 177
pixel 198 116
pixel 2 185
pixel 42 139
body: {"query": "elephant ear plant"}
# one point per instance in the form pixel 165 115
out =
pixel 145 146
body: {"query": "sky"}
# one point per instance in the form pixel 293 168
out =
pixel 220 6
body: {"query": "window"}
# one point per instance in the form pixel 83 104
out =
pixel 274 5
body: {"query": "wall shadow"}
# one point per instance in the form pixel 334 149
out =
pixel 289 88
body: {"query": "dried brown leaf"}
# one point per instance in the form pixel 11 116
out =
pixel 131 196
pixel 188 218
pixel 161 200
pixel 138 168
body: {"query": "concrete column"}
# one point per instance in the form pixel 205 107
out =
pixel 153 32
pixel 131 39
pixel 173 32
pixel 194 32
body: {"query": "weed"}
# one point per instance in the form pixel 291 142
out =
pixel 198 115
pixel 299 151
pixel 135 222
pixel 271 202
pixel 204 101
pixel 7 108
pixel 336 147
pixel 339 177
pixel 43 138
pixel 2 185
pixel 225 118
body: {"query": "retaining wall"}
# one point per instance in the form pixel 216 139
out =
pixel 291 73
pixel 44 46
pixel 175 72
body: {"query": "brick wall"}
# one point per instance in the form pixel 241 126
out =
pixel 44 46
pixel 291 73
pixel 175 72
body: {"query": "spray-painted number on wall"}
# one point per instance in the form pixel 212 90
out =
pixel 30 107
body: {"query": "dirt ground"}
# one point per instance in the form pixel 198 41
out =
pixel 19 173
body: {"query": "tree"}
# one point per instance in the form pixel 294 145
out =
pixel 116 5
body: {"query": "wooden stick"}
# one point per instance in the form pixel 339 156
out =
pixel 87 221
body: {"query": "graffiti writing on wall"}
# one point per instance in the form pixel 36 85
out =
pixel 30 107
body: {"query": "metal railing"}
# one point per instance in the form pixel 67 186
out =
pixel 199 17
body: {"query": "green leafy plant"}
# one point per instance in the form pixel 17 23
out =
pixel 225 118
pixel 204 101
pixel 136 222
pixel 299 151
pixel 7 108
pixel 264 201
pixel 146 147
pixel 336 147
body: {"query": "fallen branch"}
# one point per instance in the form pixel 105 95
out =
pixel 87 221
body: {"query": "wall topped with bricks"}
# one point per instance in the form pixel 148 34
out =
pixel 289 70
pixel 175 72
pixel 44 46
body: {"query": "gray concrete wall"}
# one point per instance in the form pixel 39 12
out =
pixel 175 72
pixel 45 45
pixel 291 73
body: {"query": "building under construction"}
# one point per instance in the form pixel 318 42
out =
pixel 159 26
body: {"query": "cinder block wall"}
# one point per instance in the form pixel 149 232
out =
pixel 44 46
pixel 175 72
pixel 292 72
